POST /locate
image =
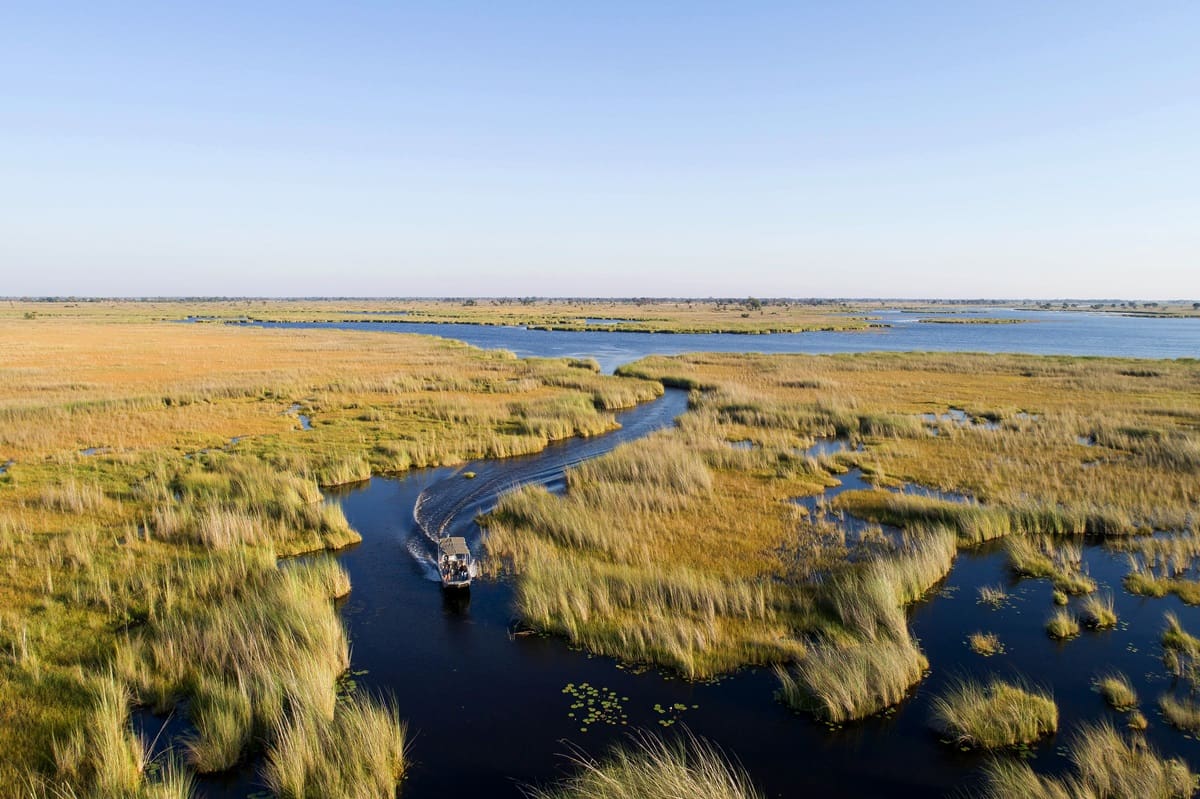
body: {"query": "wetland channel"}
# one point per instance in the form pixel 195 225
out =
pixel 489 712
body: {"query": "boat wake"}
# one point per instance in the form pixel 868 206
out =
pixel 451 505
pixel 423 556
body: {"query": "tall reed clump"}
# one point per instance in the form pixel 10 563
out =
pixel 353 469
pixel 104 753
pixel 1162 565
pixel 360 752
pixel 993 714
pixel 1106 766
pixel 227 501
pixel 1118 691
pixel 1175 638
pixel 993 595
pixel 986 644
pixel 869 661
pixel 1062 625
pixel 1181 650
pixel 844 684
pixel 103 757
pixel 1098 612
pixel 973 523
pixel 245 650
pixel 1183 714
pixel 72 497
pixel 1042 556
pixel 651 768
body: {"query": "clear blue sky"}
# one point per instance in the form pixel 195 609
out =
pixel 776 149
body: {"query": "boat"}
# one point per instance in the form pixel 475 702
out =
pixel 454 562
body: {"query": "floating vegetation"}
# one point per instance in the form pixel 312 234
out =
pixel 347 684
pixel 671 713
pixel 595 705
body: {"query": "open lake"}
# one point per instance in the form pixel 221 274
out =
pixel 1036 332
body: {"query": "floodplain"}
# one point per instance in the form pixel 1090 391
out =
pixel 849 541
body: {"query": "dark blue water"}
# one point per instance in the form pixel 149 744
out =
pixel 1040 333
pixel 489 707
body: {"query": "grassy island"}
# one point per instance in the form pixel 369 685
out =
pixel 691 550
pixel 153 476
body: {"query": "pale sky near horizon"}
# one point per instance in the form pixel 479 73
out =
pixel 1021 149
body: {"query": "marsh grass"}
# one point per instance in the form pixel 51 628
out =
pixel 163 547
pixel 1181 651
pixel 156 556
pixel 358 752
pixel 271 642
pixel 1118 691
pixel 630 564
pixel 850 683
pixel 1030 472
pixel 1062 625
pixel 1176 638
pixel 986 644
pixel 1173 576
pixel 104 753
pixel 658 551
pixel 1042 557
pixel 1106 764
pixel 994 714
pixel 993 595
pixel 652 768
pixel 353 469
pixel 1098 612
pixel 1183 714
pixel 72 497
pixel 167 780
pixel 873 663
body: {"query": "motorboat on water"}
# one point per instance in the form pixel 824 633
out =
pixel 454 562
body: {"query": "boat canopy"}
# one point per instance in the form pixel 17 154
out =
pixel 454 547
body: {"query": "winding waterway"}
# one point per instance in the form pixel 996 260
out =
pixel 487 712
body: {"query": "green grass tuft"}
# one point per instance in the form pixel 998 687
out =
pixel 1062 625
pixel 993 715
pixel 986 644
pixel 1106 766
pixel 359 752
pixel 1183 714
pixel 1118 691
pixel 1098 612
pixel 655 769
